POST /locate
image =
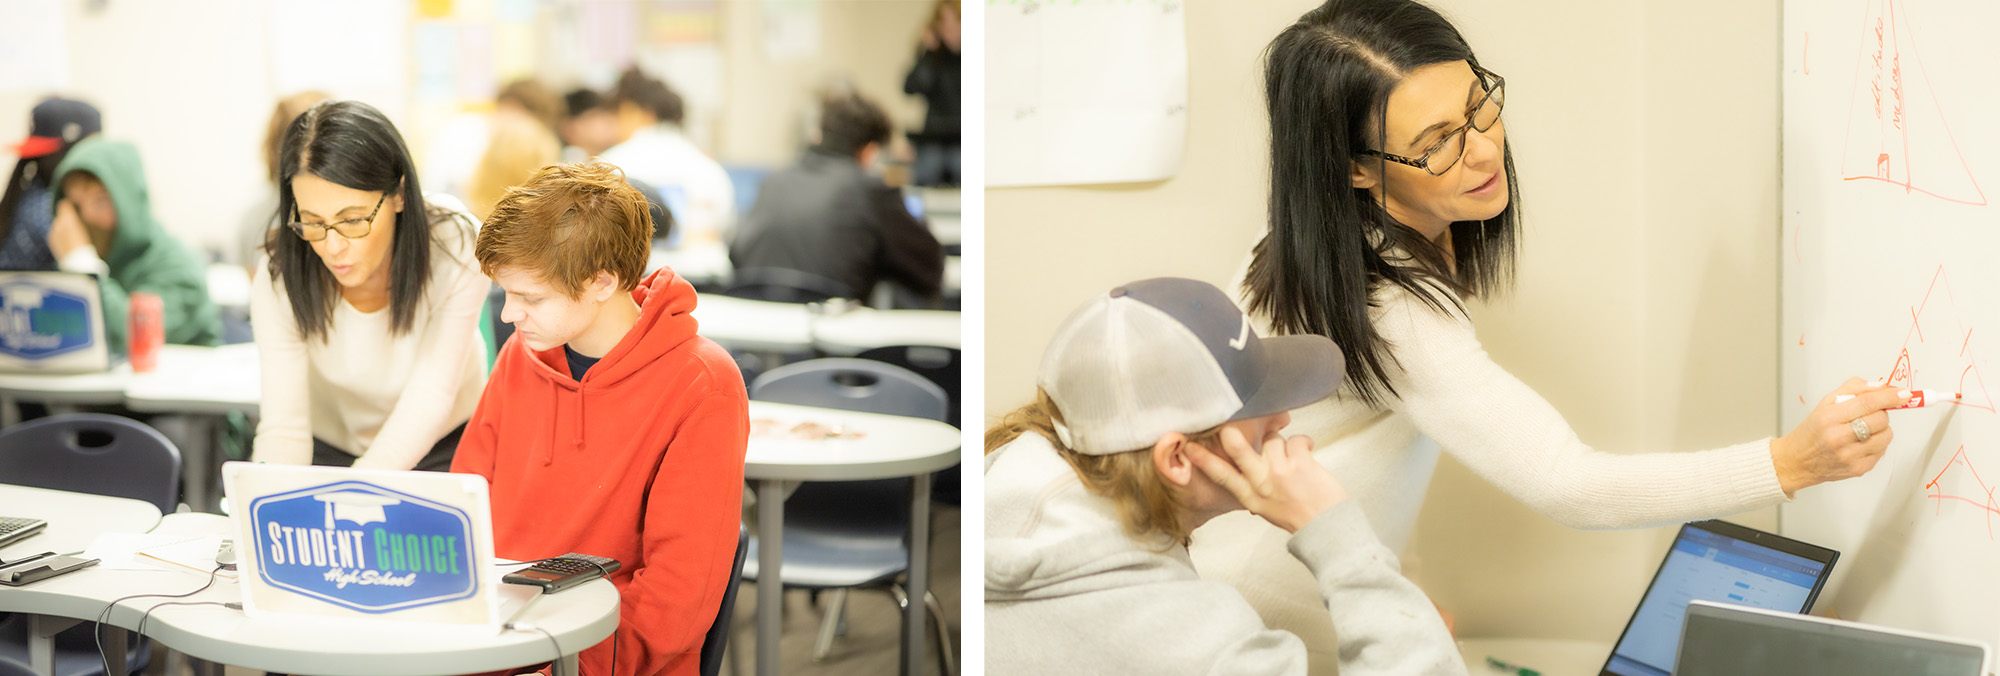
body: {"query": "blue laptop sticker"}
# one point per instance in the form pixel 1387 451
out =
pixel 38 322
pixel 364 547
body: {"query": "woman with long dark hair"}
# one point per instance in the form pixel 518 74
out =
pixel 28 207
pixel 367 317
pixel 1393 198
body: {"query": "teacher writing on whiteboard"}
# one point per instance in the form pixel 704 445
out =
pixel 1393 199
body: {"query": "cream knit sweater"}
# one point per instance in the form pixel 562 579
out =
pixel 1451 396
pixel 383 396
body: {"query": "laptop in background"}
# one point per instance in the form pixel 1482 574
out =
pixel 51 322
pixel 1726 640
pixel 1723 562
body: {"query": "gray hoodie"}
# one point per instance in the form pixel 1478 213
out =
pixel 1069 591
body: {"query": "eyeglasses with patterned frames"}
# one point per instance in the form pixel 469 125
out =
pixel 352 228
pixel 1480 118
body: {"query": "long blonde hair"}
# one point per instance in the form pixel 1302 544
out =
pixel 1146 502
pixel 519 147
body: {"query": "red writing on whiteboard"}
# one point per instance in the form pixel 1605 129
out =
pixel 1897 134
pixel 1939 311
pixel 1977 494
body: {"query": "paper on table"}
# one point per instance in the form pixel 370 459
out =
pixel 116 551
pixel 1085 92
pixel 801 431
pixel 196 555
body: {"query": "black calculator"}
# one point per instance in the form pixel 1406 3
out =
pixel 563 572
pixel 15 529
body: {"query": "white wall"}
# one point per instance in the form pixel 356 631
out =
pixel 192 84
pixel 1645 140
pixel 187 83
pixel 871 43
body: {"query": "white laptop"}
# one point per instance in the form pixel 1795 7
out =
pixel 1729 640
pixel 364 544
pixel 51 322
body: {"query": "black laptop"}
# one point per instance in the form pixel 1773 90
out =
pixel 1723 562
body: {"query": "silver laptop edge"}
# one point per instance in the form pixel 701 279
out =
pixel 1719 610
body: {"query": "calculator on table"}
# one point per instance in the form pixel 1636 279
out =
pixel 15 529
pixel 563 572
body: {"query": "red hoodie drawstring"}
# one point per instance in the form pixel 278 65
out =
pixel 578 416
pixel 548 451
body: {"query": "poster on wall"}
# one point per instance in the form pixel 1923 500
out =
pixel 364 544
pixel 373 74
pixel 791 30
pixel 1091 91
pixel 36 49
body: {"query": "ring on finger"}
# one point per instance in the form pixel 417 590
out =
pixel 1860 428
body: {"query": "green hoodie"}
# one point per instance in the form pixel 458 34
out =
pixel 143 256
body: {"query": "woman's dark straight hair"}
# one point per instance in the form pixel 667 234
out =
pixel 1331 245
pixel 351 144
pixel 31 171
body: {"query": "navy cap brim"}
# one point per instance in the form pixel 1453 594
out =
pixel 1298 370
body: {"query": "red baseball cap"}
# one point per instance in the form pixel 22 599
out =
pixel 58 123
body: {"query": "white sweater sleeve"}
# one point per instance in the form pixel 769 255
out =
pixel 284 421
pixel 422 414
pixel 1508 435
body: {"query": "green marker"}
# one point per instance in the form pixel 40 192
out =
pixel 1516 670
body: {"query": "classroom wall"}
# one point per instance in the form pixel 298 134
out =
pixel 192 85
pixel 186 83
pixel 1645 140
pixel 871 43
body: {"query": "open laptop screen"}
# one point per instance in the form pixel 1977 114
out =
pixel 1716 561
pixel 1732 641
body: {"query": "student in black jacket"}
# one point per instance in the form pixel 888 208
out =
pixel 827 218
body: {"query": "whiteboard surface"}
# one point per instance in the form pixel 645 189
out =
pixel 1891 165
pixel 1085 92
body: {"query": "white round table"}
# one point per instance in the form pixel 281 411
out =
pixel 195 379
pixel 705 263
pixel 577 618
pixel 755 325
pixel 891 446
pixel 855 331
pixel 74 518
pixel 61 390
pixel 946 228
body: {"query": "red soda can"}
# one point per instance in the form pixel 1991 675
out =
pixel 148 331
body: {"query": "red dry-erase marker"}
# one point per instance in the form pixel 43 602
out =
pixel 1918 399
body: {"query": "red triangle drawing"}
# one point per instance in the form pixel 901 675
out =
pixel 1900 375
pixel 1978 494
pixel 1896 131
pixel 1939 311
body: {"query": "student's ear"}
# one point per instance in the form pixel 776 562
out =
pixel 603 286
pixel 1364 175
pixel 1170 458
pixel 397 199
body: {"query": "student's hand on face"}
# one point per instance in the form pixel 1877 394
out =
pixel 67 233
pixel 1825 447
pixel 1281 482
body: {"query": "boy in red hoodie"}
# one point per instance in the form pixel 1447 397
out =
pixel 607 426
